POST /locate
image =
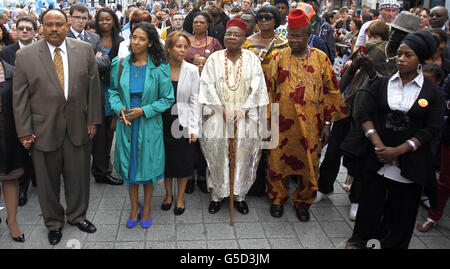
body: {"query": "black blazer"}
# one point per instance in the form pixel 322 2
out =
pixel 12 153
pixel 105 75
pixel 9 53
pixel 424 124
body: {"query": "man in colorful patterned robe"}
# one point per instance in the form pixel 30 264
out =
pixel 301 80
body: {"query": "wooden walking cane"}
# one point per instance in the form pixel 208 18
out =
pixel 232 165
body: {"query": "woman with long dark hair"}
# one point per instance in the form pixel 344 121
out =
pixel 141 89
pixel 5 38
pixel 107 27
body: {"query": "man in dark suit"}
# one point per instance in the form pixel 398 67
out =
pixel 26 31
pixel 56 109
pixel 100 162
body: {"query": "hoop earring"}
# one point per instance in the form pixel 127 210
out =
pixel 419 68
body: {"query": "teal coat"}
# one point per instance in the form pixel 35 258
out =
pixel 157 96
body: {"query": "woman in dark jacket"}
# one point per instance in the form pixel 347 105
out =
pixel 400 116
pixel 108 28
pixel 12 153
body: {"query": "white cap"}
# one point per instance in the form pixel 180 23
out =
pixel 388 4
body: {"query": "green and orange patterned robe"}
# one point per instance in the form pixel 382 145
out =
pixel 307 92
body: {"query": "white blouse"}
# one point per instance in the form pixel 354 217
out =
pixel 400 98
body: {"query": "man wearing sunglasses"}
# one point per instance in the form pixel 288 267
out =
pixel 26 32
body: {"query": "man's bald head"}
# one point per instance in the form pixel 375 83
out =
pixel 438 17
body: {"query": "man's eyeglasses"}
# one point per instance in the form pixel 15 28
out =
pixel 178 19
pixel 21 28
pixel 267 17
pixel 78 18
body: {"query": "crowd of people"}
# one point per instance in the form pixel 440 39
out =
pixel 238 98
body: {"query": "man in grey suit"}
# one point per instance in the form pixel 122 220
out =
pixel 100 158
pixel 57 105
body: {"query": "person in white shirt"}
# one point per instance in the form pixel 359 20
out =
pixel 119 14
pixel 388 12
pixel 399 116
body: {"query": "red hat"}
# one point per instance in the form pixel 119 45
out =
pixel 237 22
pixel 297 18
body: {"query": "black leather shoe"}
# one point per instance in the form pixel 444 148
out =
pixel 276 211
pixel 22 198
pixel 109 179
pixel 178 211
pixel 85 226
pixel 166 207
pixel 202 186
pixel 54 236
pixel 302 214
pixel 20 239
pixel 214 207
pixel 189 186
pixel 241 207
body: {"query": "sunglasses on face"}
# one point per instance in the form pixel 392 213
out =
pixel 435 15
pixel 267 17
pixel 21 28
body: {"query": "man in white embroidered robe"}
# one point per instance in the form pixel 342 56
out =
pixel 237 97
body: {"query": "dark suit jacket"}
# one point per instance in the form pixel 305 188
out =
pixel 9 53
pixel 38 100
pixel 424 124
pixel 103 62
pixel 12 153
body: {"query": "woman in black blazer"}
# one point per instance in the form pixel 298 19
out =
pixel 108 28
pixel 400 116
pixel 12 153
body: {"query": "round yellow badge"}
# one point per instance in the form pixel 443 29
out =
pixel 423 103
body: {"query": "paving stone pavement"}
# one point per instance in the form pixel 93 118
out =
pixel 109 207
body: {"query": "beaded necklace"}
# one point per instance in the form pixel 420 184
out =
pixel 300 69
pixel 238 73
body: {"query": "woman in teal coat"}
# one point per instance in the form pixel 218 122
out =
pixel 145 92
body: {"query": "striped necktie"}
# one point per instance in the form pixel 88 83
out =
pixel 81 37
pixel 57 60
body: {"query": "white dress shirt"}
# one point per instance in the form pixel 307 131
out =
pixel 21 45
pixel 400 98
pixel 65 60
pixel 76 34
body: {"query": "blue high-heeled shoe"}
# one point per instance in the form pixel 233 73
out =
pixel 132 223
pixel 146 223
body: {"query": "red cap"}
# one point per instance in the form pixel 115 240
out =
pixel 297 18
pixel 237 22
